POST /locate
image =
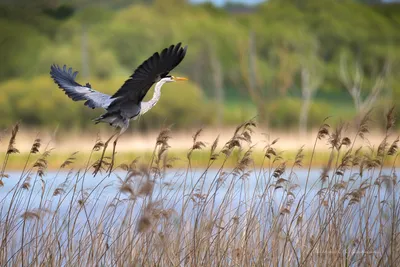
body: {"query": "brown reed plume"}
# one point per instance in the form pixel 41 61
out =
pixel 10 150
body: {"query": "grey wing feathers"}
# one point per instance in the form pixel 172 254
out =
pixel 65 79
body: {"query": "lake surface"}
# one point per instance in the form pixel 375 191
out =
pixel 102 192
pixel 171 185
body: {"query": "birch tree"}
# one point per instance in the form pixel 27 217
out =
pixel 218 82
pixel 311 76
pixel 353 80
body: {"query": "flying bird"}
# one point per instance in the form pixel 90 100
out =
pixel 127 102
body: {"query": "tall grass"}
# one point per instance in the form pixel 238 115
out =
pixel 216 216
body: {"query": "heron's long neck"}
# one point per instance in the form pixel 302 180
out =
pixel 146 106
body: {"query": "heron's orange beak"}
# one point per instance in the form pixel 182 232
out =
pixel 180 79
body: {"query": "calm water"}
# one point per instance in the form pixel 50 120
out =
pixel 172 184
pixel 103 192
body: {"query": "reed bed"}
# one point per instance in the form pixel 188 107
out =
pixel 146 213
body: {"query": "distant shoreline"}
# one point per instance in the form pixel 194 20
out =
pixel 200 159
pixel 131 146
pixel 181 139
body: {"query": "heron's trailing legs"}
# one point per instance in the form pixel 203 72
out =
pixel 113 154
pixel 98 166
pixel 114 146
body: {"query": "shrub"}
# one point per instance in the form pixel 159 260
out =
pixel 39 102
pixel 181 104
pixel 284 112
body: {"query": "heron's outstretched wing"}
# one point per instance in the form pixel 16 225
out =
pixel 65 79
pixel 150 71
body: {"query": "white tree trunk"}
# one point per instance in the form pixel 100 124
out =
pixel 252 61
pixel 353 82
pixel 311 78
pixel 218 87
pixel 303 120
pixel 85 53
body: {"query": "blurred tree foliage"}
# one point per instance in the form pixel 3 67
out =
pixel 261 49
pixel 36 102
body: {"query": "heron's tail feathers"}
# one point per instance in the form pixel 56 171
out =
pixel 114 119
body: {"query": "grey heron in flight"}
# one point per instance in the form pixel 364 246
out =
pixel 127 102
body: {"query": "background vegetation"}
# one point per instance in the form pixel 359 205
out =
pixel 221 203
pixel 287 61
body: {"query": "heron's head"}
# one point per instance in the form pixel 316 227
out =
pixel 171 78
